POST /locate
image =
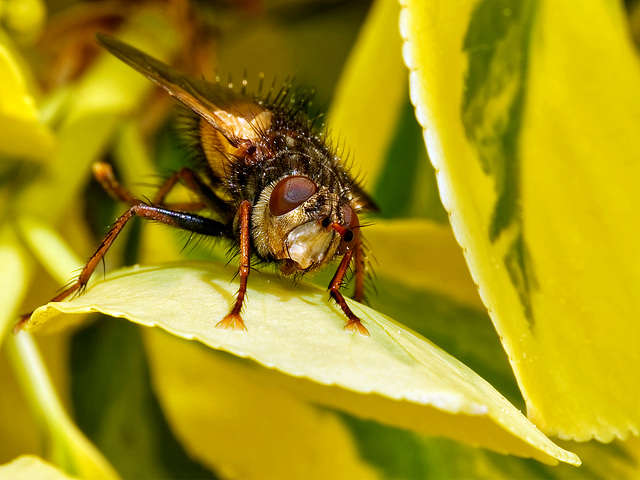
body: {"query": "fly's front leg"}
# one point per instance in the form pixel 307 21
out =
pixel 233 320
pixel 359 259
pixel 354 324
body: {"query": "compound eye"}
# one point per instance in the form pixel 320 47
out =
pixel 290 193
pixel 352 230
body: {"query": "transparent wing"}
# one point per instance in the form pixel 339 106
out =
pixel 175 83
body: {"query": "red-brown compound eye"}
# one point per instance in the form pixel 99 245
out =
pixel 290 193
pixel 352 230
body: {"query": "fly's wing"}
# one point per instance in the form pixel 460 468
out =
pixel 226 122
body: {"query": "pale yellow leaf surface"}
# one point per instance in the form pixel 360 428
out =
pixel 548 218
pixel 211 404
pixel 29 467
pixel 296 330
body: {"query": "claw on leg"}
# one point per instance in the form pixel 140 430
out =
pixel 232 322
pixel 356 326
pixel 17 328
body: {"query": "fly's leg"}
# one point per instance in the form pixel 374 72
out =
pixel 233 320
pixel 183 220
pixel 187 177
pixel 360 266
pixel 192 181
pixel 354 324
pixel 103 173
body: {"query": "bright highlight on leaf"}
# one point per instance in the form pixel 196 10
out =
pixel 530 111
pixel 296 330
pixel 29 467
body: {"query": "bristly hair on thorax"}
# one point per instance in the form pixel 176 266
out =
pixel 296 141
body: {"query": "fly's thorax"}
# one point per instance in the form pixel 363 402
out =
pixel 293 220
pixel 247 125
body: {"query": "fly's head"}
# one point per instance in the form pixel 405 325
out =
pixel 302 224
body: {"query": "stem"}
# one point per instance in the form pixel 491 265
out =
pixel 64 443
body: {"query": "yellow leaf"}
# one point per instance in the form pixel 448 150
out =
pixel 424 255
pixel 15 261
pixel 65 443
pixel 369 97
pixel 298 331
pixel 18 429
pixel 21 133
pixel 23 19
pixel 530 111
pixel 29 467
pixel 211 403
